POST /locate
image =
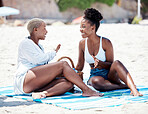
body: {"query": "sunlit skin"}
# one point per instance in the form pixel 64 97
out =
pixel 117 70
pixel 41 79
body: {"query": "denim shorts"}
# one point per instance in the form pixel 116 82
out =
pixel 99 72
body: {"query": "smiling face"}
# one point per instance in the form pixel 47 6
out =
pixel 86 29
pixel 41 31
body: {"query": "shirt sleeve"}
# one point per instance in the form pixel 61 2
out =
pixel 35 55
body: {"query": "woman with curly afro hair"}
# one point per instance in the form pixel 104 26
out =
pixel 105 74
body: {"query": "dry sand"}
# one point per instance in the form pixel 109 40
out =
pixel 130 44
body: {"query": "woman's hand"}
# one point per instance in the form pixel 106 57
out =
pixel 96 64
pixel 58 47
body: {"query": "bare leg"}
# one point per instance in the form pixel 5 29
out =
pixel 42 75
pixel 56 87
pixel 123 74
pixel 99 83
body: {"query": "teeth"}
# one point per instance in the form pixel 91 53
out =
pixel 82 34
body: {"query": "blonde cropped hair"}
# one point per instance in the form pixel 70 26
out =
pixel 34 23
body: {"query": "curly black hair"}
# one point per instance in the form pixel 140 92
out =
pixel 93 16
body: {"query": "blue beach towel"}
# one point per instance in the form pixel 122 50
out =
pixel 77 101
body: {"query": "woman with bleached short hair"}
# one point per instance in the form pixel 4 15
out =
pixel 36 76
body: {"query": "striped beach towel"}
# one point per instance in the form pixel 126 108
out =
pixel 75 101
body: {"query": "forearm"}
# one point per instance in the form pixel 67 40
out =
pixel 80 65
pixel 79 68
pixel 104 65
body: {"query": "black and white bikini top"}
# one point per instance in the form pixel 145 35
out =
pixel 101 53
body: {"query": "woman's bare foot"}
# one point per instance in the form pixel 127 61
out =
pixel 136 93
pixel 90 93
pixel 131 93
pixel 38 95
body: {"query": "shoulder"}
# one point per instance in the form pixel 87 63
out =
pixel 106 42
pixel 25 43
pixel 82 43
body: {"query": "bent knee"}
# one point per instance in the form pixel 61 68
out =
pixel 117 63
pixel 67 83
pixel 64 63
pixel 97 81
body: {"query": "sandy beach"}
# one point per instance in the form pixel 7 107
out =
pixel 130 44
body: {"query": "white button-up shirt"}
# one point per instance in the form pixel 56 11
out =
pixel 31 55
